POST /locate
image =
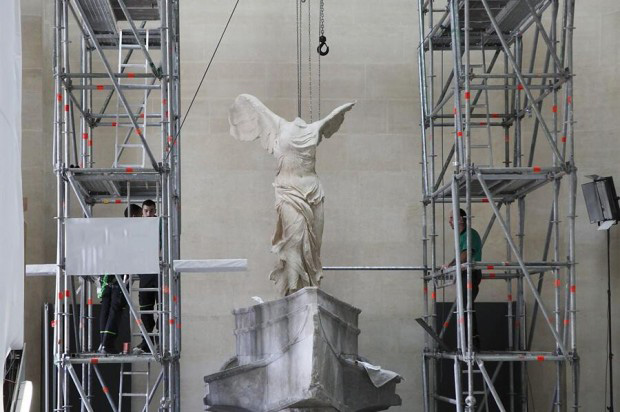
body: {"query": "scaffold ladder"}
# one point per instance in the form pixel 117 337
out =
pixel 144 376
pixel 124 130
pixel 484 106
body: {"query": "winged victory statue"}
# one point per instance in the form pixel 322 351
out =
pixel 298 191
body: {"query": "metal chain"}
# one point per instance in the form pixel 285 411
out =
pixel 310 61
pixel 322 19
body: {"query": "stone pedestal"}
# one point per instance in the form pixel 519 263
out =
pixel 298 354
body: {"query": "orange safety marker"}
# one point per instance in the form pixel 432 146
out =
pixel 485 200
pixel 106 389
pixel 509 298
pixel 563 139
pixel 131 75
pixel 558 283
pixel 85 136
pixel 569 99
pixel 67 293
pixel 139 131
pixel 459 134
pixel 114 124
pixel 554 108
pixel 59 97
pixel 89 302
pixel 53 324
pixel 495 115
pixel 138 321
pixel 90 142
pixel 129 169
pixel 100 87
pixel 164 101
pixel 425 290
pixel 470 285
pixel 141 115
pixel 171 321
pixel 166 114
pixel 454 110
pixel 540 358
pixel 94 361
pixel 61 296
pixel 174 298
pixel 165 289
pixel 483 123
pixel 536 169
pixel 492 275
pixel 446 324
pixel 467 95
pixel 433 295
pixel 117 201
pixel 490 267
pixel 66 107
pixel 566 321
pixel 519 86
pixel 573 288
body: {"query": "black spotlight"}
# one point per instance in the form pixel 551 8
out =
pixel 602 204
pixel 601 201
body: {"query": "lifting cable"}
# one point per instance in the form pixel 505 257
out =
pixel 322 50
pixel 202 80
pixel 298 45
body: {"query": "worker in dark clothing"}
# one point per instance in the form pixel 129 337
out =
pixel 112 305
pixel 476 256
pixel 112 301
pixel 147 298
pixel 134 210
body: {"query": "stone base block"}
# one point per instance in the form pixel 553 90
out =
pixel 297 354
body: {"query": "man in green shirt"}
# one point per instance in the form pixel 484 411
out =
pixel 476 256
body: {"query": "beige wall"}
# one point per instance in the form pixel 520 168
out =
pixel 370 171
pixel 38 181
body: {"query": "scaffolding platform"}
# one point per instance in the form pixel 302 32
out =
pixel 96 358
pixel 505 185
pixel 104 16
pixel 511 16
pixel 115 185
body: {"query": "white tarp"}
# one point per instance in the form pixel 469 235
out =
pixel 99 246
pixel 11 208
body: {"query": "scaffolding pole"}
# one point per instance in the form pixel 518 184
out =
pixel 453 52
pixel 152 29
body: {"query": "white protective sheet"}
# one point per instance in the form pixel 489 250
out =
pixel 11 209
pixel 99 246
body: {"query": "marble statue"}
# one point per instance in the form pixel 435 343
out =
pixel 299 195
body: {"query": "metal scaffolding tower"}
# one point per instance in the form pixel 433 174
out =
pixel 117 88
pixel 497 74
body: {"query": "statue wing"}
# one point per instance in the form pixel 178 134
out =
pixel 250 119
pixel 332 122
